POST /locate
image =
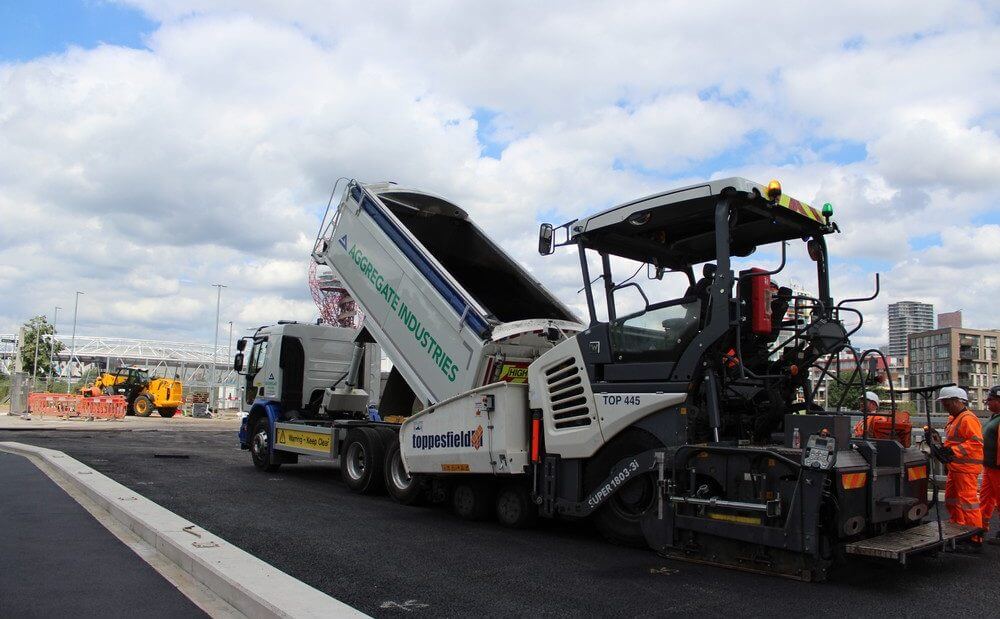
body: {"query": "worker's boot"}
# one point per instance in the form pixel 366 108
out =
pixel 969 547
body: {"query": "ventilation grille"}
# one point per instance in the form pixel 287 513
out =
pixel 569 402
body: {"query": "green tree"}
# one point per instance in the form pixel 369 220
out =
pixel 906 406
pixel 852 401
pixel 38 331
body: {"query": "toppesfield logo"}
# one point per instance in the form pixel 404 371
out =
pixel 449 440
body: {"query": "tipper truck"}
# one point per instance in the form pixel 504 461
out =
pixel 686 423
pixel 299 378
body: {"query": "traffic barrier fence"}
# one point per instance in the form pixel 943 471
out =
pixel 76 406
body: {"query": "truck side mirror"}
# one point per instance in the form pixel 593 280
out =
pixel 238 362
pixel 545 240
pixel 241 344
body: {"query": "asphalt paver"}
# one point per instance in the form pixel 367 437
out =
pixel 56 560
pixel 387 559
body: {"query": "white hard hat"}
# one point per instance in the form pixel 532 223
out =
pixel 953 392
pixel 872 397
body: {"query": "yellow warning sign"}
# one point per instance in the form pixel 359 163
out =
pixel 313 441
pixel 514 372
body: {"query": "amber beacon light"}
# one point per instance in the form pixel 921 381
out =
pixel 773 190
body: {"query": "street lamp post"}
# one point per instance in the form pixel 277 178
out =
pixel 72 350
pixel 229 351
pixel 215 349
pixel 52 344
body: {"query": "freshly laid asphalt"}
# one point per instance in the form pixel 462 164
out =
pixel 388 559
pixel 56 560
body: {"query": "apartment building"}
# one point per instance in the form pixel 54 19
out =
pixel 906 317
pixel 967 357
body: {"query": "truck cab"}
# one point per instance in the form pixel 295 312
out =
pixel 291 364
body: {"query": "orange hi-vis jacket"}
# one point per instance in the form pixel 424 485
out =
pixel 859 427
pixel 964 434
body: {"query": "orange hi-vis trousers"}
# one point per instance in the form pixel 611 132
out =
pixel 961 498
pixel 989 494
pixel 964 435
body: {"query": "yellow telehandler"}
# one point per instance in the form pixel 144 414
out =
pixel 144 395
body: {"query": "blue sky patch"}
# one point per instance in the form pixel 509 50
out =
pixel 485 132
pixel 853 43
pixel 988 218
pixel 42 27
pixel 734 99
pixel 841 152
pixel 919 243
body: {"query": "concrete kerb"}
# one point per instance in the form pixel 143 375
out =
pixel 250 585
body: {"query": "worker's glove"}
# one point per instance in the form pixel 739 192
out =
pixel 944 454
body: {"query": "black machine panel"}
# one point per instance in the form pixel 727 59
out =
pixel 838 427
pixel 820 452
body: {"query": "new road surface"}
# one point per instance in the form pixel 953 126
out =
pixel 58 561
pixel 387 559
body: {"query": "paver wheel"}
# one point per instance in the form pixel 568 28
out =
pixel 515 508
pixel 473 500
pixel 260 446
pixel 143 406
pixel 362 460
pixel 620 518
pixel 401 486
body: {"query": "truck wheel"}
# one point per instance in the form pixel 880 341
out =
pixel 515 508
pixel 620 518
pixel 472 500
pixel 362 460
pixel 142 406
pixel 402 487
pixel 260 447
pixel 167 412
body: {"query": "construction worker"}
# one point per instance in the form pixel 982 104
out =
pixel 963 454
pixel 989 491
pixel 869 405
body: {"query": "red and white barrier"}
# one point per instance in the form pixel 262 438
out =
pixel 103 407
pixel 68 406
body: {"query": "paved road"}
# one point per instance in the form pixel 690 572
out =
pixel 379 556
pixel 57 561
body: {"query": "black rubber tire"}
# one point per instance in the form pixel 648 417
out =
pixel 620 518
pixel 362 460
pixel 514 507
pixel 473 499
pixel 260 442
pixel 142 406
pixel 411 493
pixel 167 412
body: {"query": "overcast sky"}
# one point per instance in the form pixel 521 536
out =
pixel 149 149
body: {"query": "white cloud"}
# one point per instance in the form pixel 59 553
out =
pixel 928 153
pixel 269 309
pixel 282 275
pixel 145 176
